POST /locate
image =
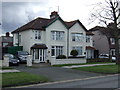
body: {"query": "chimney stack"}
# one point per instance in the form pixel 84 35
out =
pixel 54 14
pixel 7 34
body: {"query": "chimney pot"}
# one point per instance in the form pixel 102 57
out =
pixel 54 14
pixel 7 34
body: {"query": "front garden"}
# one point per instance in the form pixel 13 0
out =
pixel 104 69
pixel 21 78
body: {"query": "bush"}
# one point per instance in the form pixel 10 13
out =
pixel 61 57
pixel 74 53
pixel 98 60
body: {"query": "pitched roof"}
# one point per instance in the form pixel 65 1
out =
pixel 37 24
pixel 41 23
pixel 90 48
pixel 96 28
pixel 70 24
pixel 89 33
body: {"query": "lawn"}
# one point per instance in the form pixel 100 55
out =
pixel 21 78
pixel 6 68
pixel 105 69
pixel 81 64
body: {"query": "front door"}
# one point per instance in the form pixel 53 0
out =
pixel 39 55
pixel 42 55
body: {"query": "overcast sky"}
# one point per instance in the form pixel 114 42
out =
pixel 17 13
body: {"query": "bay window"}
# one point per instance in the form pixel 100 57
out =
pixel 56 50
pixel 79 49
pixel 57 35
pixel 77 37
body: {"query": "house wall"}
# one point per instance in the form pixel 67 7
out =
pixel 56 26
pixel 91 41
pixel 77 29
pixel 100 42
pixel 25 40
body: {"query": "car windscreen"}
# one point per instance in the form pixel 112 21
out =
pixel 12 56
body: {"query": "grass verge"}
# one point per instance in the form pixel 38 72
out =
pixel 4 68
pixel 81 64
pixel 21 78
pixel 105 69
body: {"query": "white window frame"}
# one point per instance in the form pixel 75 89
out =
pixel 112 40
pixel 88 39
pixel 57 35
pixel 78 37
pixel 58 50
pixel 20 39
pixel 112 52
pixel 79 49
pixel 37 35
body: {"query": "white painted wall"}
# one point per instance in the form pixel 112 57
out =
pixel 77 29
pixel 91 41
pixel 56 26
pixel 55 61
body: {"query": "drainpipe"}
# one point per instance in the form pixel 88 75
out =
pixel 18 38
pixel 67 43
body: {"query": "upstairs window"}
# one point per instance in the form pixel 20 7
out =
pixel 112 40
pixel 57 35
pixel 88 39
pixel 38 35
pixel 19 39
pixel 77 37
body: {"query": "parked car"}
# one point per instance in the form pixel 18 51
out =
pixel 113 58
pixel 12 59
pixel 103 56
pixel 22 56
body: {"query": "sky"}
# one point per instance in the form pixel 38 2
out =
pixel 15 13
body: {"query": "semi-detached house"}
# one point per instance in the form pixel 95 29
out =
pixel 45 38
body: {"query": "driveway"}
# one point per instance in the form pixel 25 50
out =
pixel 56 73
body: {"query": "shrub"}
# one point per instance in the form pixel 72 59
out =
pixel 74 53
pixel 98 60
pixel 61 57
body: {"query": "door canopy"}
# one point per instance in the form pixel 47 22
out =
pixel 39 46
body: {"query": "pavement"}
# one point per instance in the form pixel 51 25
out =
pixel 109 82
pixel 88 65
pixel 10 70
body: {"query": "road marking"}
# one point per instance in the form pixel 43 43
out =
pixel 65 81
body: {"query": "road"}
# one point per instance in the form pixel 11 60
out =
pixel 107 81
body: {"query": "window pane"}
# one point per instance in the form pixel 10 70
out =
pixel 36 53
pixel 57 35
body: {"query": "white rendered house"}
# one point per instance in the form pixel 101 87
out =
pixel 46 38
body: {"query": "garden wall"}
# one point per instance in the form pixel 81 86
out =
pixel 55 61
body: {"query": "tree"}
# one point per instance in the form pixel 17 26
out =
pixel 109 15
